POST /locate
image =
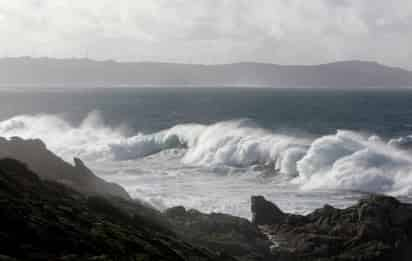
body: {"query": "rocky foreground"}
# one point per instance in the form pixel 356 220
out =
pixel 235 236
pixel 51 210
pixel 44 220
pixel 376 228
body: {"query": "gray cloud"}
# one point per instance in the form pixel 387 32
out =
pixel 210 31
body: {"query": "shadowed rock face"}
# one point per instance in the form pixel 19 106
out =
pixel 377 228
pixel 44 220
pixel 39 159
pixel 234 235
pixel 265 212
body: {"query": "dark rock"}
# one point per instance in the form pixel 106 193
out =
pixel 175 212
pixel 39 159
pixel 377 228
pixel 45 220
pixel 7 258
pixel 220 232
pixel 265 212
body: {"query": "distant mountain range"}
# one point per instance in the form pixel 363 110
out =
pixel 85 72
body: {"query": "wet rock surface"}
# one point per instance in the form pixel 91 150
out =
pixel 376 228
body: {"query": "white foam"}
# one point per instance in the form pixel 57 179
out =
pixel 350 161
pixel 89 140
pixel 343 161
pixel 402 142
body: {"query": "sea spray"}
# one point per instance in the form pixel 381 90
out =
pixel 346 160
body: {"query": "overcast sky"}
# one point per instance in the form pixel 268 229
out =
pixel 210 31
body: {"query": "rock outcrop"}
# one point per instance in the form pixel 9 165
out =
pixel 220 232
pixel 265 212
pixel 67 213
pixel 377 228
pixel 39 159
pixel 45 220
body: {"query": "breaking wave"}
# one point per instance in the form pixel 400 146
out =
pixel 345 160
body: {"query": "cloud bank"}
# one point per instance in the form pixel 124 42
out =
pixel 210 31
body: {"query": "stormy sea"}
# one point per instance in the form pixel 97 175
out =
pixel 213 148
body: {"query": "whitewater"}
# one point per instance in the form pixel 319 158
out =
pixel 217 167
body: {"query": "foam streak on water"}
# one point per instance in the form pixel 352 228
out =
pixel 218 167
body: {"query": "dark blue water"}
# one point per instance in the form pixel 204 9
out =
pixel 316 111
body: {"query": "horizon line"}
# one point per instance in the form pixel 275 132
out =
pixel 195 64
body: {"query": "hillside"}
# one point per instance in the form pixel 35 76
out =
pixel 85 72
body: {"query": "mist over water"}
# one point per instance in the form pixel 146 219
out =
pixel 217 164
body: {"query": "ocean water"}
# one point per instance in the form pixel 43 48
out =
pixel 212 148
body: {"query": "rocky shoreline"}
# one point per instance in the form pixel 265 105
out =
pixel 51 210
pixel 376 228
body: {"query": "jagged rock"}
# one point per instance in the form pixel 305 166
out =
pixel 38 158
pixel 265 212
pixel 45 220
pixel 377 228
pixel 221 232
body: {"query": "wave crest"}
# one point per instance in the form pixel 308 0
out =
pixel 345 160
